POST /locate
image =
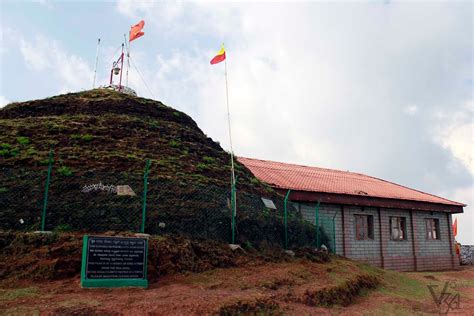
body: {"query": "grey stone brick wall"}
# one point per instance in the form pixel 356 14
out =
pixel 415 252
pixel 329 211
pixel 467 255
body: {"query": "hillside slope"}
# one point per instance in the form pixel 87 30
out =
pixel 102 137
pixel 103 130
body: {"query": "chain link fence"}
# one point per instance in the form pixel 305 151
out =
pixel 99 202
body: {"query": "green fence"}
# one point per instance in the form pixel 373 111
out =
pixel 55 199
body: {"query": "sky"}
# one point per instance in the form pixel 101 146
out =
pixel 383 88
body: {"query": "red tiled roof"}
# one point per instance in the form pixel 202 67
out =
pixel 313 179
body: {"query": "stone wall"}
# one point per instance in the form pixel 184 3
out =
pixel 414 253
pixel 467 255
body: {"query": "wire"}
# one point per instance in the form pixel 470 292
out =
pixel 141 77
pixel 113 55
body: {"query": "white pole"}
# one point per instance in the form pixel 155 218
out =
pixel 128 59
pixel 228 120
pixel 96 62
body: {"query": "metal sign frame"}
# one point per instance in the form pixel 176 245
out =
pixel 110 283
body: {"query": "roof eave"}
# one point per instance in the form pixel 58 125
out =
pixel 356 200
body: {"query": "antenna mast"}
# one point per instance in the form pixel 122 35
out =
pixel 127 46
pixel 96 62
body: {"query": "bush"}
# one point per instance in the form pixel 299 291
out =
pixel 22 140
pixel 85 137
pixel 175 143
pixel 65 171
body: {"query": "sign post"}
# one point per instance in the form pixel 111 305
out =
pixel 114 261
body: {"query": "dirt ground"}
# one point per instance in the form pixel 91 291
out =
pixel 290 288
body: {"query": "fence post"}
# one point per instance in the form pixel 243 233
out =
pixel 334 232
pixel 316 222
pixel 145 187
pixel 46 189
pixel 286 218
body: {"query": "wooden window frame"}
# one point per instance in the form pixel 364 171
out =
pixel 364 227
pixel 401 227
pixel 432 225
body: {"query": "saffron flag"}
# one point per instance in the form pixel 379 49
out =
pixel 136 31
pixel 219 57
pixel 455 227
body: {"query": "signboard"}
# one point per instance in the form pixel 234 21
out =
pixel 114 261
pixel 269 203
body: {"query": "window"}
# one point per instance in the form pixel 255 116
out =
pixel 364 227
pixel 432 228
pixel 398 228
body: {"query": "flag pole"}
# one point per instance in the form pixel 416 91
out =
pixel 233 190
pixel 228 121
pixel 96 62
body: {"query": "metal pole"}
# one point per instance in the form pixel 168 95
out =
pixel 228 120
pixel 145 188
pixel 96 62
pixel 316 220
pixel 233 180
pixel 46 189
pixel 286 219
pixel 121 69
pixel 232 203
pixel 334 232
pixel 128 58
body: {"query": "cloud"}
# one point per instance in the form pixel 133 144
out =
pixel 455 132
pixel 3 101
pixel 47 56
pixel 411 110
pixel 353 86
pixel 466 219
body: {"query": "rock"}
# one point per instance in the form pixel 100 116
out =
pixel 235 247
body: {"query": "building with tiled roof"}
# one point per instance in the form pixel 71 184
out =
pixel 376 221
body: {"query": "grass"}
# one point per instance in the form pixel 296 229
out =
pixel 208 160
pixel 132 157
pixel 65 171
pixel 5 146
pixel 202 167
pixel 175 143
pixel 13 294
pixel 22 140
pixel 82 137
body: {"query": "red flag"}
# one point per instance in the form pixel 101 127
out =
pixel 136 31
pixel 455 227
pixel 219 57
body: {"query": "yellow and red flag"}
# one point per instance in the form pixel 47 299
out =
pixel 219 57
pixel 136 31
pixel 455 227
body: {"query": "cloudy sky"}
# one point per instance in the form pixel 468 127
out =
pixel 378 87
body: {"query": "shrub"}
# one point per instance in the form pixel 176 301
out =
pixel 131 156
pixel 22 140
pixel 31 151
pixel 5 146
pixel 62 228
pixel 208 159
pixel 65 171
pixel 85 137
pixel 202 166
pixel 175 143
